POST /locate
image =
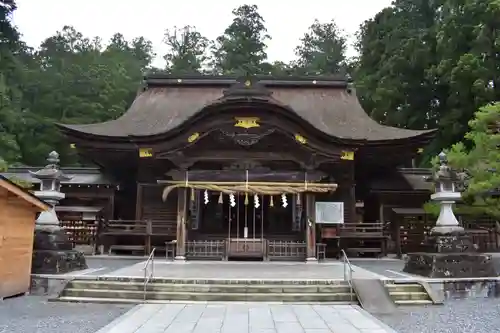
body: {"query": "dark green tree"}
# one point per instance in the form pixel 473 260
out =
pixel 187 50
pixel 481 160
pixel 12 51
pixel 242 47
pixel 77 80
pixel 322 50
pixel 427 64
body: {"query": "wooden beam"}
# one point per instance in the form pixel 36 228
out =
pixel 241 176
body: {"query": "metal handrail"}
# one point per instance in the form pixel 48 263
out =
pixel 348 274
pixel 148 277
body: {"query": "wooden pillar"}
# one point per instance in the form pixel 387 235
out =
pixel 181 224
pixel 352 194
pixel 310 229
pixel 139 202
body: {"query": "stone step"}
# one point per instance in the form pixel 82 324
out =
pixel 71 299
pixel 402 295
pixel 404 287
pixel 203 288
pixel 217 281
pixel 210 296
pixel 414 302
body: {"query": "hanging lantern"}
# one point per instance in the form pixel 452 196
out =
pixel 271 202
pixel 232 201
pixel 192 194
pixel 298 198
pixel 246 198
pixel 284 201
pixel 256 201
pixel 220 198
pixel 205 197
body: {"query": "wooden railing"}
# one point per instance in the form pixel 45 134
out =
pixel 286 250
pixel 364 238
pixel 206 249
pixel 134 235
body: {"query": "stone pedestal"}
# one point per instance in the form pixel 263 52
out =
pixel 53 253
pixel 449 255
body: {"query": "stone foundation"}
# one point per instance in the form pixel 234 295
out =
pixel 450 255
pixel 450 265
pixel 53 253
pixel 57 262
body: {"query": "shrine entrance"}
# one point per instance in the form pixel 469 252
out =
pixel 252 218
pixel 247 221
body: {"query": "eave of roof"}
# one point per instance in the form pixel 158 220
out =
pixel 169 102
pixel 86 176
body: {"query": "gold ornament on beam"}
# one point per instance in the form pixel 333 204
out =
pixel 300 139
pixel 246 122
pixel 347 156
pixel 246 199
pixel 220 198
pixel 192 194
pixel 145 152
pixel 193 137
pixel 271 202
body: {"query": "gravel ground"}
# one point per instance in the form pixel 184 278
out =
pixel 33 314
pixel 475 315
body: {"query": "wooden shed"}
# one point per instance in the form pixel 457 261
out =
pixel 18 209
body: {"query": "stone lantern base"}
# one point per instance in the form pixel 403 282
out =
pixel 53 253
pixel 450 255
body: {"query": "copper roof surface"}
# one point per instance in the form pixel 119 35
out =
pixel 331 108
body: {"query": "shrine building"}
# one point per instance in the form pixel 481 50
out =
pixel 257 167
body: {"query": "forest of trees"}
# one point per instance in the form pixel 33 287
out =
pixel 420 64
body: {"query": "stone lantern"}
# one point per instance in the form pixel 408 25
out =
pixel 446 184
pixel 448 251
pixel 52 251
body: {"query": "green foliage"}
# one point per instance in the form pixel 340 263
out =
pixel 428 63
pixel 242 48
pixel 421 64
pixel 482 160
pixel 187 50
pixel 69 79
pixel 322 50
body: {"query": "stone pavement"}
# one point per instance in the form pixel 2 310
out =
pixel 246 318
pixel 245 270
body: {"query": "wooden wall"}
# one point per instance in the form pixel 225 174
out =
pixel 17 223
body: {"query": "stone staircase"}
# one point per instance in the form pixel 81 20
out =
pixel 166 290
pixel 409 293
pixel 131 290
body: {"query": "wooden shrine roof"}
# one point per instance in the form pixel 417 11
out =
pixel 404 179
pixel 328 104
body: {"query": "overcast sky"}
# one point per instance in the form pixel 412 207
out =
pixel 286 21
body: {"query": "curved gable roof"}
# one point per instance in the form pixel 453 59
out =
pixel 328 105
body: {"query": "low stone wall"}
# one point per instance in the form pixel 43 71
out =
pixel 43 285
